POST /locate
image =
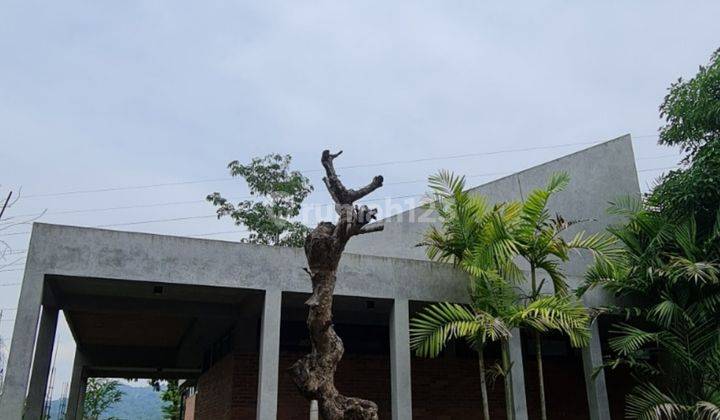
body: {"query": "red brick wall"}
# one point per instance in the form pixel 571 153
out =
pixel 214 391
pixel 363 376
pixel 449 389
pixel 442 389
pixel 228 390
pixel 565 391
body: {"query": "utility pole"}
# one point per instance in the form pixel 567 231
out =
pixel 63 401
pixel 2 357
pixel 50 390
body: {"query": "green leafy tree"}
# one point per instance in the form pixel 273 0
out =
pixel 171 397
pixel 485 242
pixel 669 269
pixel 671 338
pixel 172 400
pixel 691 111
pixel 281 192
pixel 100 395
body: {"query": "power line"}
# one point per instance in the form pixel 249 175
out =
pixel 178 203
pixel 144 222
pixel 9 284
pixel 658 169
pixel 365 165
pixel 309 206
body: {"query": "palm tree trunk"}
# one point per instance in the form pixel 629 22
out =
pixel 538 348
pixel 483 384
pixel 509 412
pixel 538 356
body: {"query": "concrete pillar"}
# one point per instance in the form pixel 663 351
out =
pixel 595 386
pixel 314 411
pixel 400 384
pixel 269 356
pixel 17 373
pixel 78 384
pixel 513 349
pixel 41 363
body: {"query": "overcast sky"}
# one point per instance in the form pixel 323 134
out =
pixel 97 95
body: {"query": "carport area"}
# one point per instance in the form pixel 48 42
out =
pixel 138 329
pixel 131 329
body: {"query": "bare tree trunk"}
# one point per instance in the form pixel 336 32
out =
pixel 483 384
pixel 314 374
pixel 541 381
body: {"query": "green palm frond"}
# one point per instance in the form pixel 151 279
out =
pixel 707 410
pixel 604 247
pixel 667 311
pixel 436 325
pixel 709 304
pixel 648 402
pixel 510 271
pixel 558 182
pixel 715 233
pixel 559 313
pixel 626 206
pixel 685 236
pixel 699 272
pixel 534 209
pixel 554 271
pixel 445 184
pixel 628 339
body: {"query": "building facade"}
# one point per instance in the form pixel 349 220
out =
pixel 229 317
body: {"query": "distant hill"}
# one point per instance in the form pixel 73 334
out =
pixel 138 403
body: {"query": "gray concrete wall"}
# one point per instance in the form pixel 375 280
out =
pixel 599 174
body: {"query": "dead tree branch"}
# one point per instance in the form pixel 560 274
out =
pixel 314 374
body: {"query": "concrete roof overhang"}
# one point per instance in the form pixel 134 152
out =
pixel 142 305
pixel 78 252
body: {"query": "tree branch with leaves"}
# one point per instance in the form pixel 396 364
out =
pixel 281 193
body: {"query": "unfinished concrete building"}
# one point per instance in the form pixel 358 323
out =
pixel 229 317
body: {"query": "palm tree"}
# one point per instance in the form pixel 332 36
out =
pixel 465 221
pixel 538 239
pixel 672 273
pixel 489 318
pixel 484 241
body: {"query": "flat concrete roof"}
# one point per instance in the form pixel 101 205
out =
pixel 74 252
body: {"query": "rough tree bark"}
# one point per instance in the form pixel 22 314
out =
pixel 314 374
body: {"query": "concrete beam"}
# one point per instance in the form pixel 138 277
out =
pixel 400 379
pixel 118 304
pixel 269 356
pixel 41 363
pixel 102 254
pixel 141 373
pixel 516 400
pixel 17 374
pixel 599 406
pixel 131 357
